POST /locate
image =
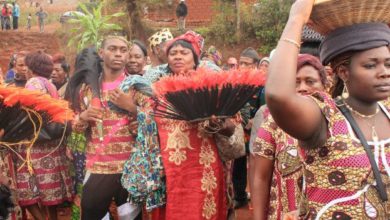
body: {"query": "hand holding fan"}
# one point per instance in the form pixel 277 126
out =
pixel 202 93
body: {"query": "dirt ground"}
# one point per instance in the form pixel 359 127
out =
pixel 241 214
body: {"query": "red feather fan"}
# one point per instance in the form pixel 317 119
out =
pixel 15 103
pixel 201 94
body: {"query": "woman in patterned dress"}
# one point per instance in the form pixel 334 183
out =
pixel 339 182
pixel 49 184
pixel 277 165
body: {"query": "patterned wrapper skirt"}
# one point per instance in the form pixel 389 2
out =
pixel 7 171
pixel 50 183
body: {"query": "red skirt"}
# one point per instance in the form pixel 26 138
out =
pixel 50 183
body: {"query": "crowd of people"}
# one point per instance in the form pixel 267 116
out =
pixel 312 143
pixel 11 13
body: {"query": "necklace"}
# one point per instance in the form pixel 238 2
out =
pixel 360 114
pixel 374 134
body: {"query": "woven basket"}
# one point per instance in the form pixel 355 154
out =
pixel 328 15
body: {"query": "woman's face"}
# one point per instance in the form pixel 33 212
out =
pixel 308 81
pixel 20 67
pixel 180 59
pixel 368 76
pixel 58 75
pixel 264 66
pixel 137 60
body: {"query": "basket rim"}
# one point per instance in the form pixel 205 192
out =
pixel 328 15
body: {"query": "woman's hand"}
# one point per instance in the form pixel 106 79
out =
pixel 92 114
pixel 123 100
pixel 301 10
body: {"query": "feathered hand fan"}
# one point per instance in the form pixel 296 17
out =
pixel 203 93
pixel 23 112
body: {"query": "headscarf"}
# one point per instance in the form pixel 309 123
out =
pixel 308 59
pixel 196 41
pixel 355 37
pixel 264 59
pixel 160 37
pixel 215 55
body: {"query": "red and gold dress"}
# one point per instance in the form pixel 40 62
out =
pixel 338 176
pixel 274 144
pixel 194 173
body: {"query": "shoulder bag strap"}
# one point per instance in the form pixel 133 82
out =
pixel 379 183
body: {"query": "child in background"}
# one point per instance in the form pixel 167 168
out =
pixel 29 21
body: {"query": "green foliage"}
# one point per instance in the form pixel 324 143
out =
pixel 263 20
pixel 223 26
pixel 90 27
pixel 271 17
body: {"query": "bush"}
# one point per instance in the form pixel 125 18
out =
pixel 223 26
pixel 271 17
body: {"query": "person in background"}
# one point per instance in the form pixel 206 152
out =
pixel 137 58
pixel 28 26
pixel 3 16
pixel 157 43
pixel 249 59
pixel 15 15
pixel 181 14
pixel 20 70
pixel 263 64
pixel 8 18
pixel 42 15
pixel 231 63
pixel 213 55
pixel 11 71
pixel 276 167
pixel 41 191
pixel 60 75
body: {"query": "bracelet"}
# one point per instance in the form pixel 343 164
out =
pixel 288 40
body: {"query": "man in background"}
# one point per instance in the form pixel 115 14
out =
pixel 15 15
pixel 181 14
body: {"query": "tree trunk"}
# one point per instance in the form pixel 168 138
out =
pixel 238 26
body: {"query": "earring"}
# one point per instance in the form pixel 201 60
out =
pixel 345 93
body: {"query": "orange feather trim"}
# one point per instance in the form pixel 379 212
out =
pixel 58 110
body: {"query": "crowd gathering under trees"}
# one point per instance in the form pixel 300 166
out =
pixel 151 131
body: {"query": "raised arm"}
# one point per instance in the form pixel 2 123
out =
pixel 299 116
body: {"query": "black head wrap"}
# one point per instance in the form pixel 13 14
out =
pixel 356 37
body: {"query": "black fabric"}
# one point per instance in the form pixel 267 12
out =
pixel 5 201
pixel 181 10
pixel 51 131
pixel 15 22
pixel 239 178
pixel 356 37
pixel 98 192
pixel 379 183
